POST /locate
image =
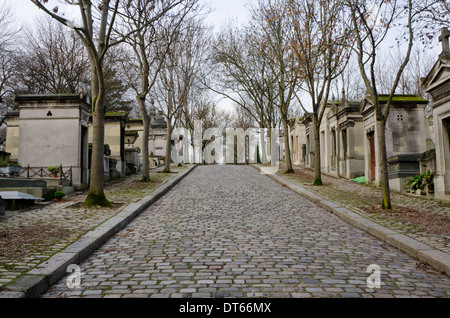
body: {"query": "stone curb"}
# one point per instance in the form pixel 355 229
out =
pixel 422 252
pixel 35 282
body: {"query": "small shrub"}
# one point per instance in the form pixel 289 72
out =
pixel 53 169
pixel 420 180
pixel 59 195
pixel 50 195
pixel 4 163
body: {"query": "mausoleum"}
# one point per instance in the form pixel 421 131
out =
pixel 437 84
pixel 405 135
pixel 51 130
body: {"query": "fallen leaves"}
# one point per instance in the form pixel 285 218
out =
pixel 21 241
pixel 429 222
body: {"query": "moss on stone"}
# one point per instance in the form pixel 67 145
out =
pixel 318 182
pixel 93 199
pixel 146 180
pixel 402 98
pixel 115 114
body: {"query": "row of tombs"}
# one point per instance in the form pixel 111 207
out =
pixel 417 135
pixel 55 131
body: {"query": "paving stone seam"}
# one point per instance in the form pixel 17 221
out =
pixel 35 282
pixel 420 251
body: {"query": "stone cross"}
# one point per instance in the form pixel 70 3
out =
pixel 445 34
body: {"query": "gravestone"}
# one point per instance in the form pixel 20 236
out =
pixel 401 168
pixel 132 159
pixel 114 138
pixel 34 187
pixel 156 137
pixel 14 199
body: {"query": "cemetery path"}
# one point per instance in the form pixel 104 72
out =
pixel 228 231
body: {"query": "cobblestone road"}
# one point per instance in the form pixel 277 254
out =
pixel 227 231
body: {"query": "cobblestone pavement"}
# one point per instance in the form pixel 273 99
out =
pixel 227 231
pixel 357 197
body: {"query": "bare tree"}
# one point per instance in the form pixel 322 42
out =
pixel 178 75
pixel 271 17
pixel 97 39
pixel 244 76
pixel 206 110
pixel 149 46
pixel 8 30
pixel 419 65
pixel 349 84
pixel 317 43
pixel 52 61
pixel 118 95
pixel 243 119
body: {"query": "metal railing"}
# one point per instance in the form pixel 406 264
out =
pixel 42 172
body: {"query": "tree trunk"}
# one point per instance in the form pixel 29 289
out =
pixel 382 156
pixel 96 196
pixel 97 164
pixel 145 134
pixel 317 163
pixel 287 152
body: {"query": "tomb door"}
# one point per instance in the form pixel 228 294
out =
pixel 333 150
pixel 371 138
pixel 84 166
pixel 304 154
pixel 446 123
pixel 446 152
pixel 344 146
pixel 292 149
pixel 308 151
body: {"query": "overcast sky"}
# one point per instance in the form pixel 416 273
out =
pixel 224 10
